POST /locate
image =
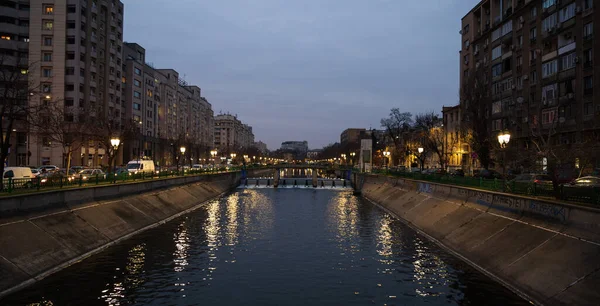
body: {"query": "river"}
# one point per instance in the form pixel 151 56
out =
pixel 272 247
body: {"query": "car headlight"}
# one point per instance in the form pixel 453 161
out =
pixel 44 180
pixel 85 177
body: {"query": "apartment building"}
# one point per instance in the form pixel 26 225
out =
pixel 351 136
pixel 457 149
pixel 14 45
pixel 75 55
pixel 535 61
pixel 231 135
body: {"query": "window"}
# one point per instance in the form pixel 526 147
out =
pixel 549 116
pixel 70 55
pixel 566 87
pixel 587 57
pixel 137 94
pixel 497 125
pixel 465 30
pixel 520 41
pixel 496 52
pixel 533 33
pixel 588 85
pixel 137 71
pixel 520 82
pixel 71 40
pixel 533 12
pixel 588 30
pixel 136 83
pixel 549 68
pixel 47 40
pixel 548 3
pixel 69 71
pixel 47 25
pixel 71 9
pixel 496 107
pixel 46 72
pixel 588 109
pixel 69 87
pixel 47 57
pixel 69 102
pixel 549 94
pixel 567 61
pixel 567 12
pixel 588 4
pixel 507 64
pixel 70 24
pixel 48 9
pixel 549 22
pixel 137 106
pixel 565 111
pixel 497 70
pixel 533 77
pixel 501 31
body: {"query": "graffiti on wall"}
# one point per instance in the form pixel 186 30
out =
pixel 425 188
pixel 549 210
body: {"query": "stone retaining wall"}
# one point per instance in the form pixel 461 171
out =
pixel 546 251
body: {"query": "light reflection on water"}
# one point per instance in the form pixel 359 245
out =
pixel 272 247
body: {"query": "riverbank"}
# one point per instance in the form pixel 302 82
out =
pixel 49 231
pixel 545 251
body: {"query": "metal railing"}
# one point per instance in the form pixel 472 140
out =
pixel 61 181
pixel 565 192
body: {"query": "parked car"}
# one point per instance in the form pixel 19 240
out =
pixel 533 179
pixel 488 174
pixel 139 166
pixel 20 177
pixel 457 172
pixel 35 171
pixel 90 174
pixel 585 181
pixel 47 168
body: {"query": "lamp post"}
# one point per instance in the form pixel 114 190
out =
pixel 213 153
pixel 503 139
pixel 115 141
pixel 182 150
pixel 387 159
pixel 352 154
pixel 420 150
pixel 344 158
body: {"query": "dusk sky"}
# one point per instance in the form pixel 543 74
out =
pixel 307 70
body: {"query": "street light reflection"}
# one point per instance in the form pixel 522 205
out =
pixel 430 271
pixel 182 245
pixel 385 240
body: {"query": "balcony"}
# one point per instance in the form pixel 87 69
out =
pixel 570 73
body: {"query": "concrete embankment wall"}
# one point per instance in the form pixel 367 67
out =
pixel 78 223
pixel 544 250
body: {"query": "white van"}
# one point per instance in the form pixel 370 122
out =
pixel 21 176
pixel 139 166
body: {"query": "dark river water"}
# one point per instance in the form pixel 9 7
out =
pixel 272 247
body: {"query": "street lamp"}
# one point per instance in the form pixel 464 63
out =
pixel 387 156
pixel 182 150
pixel 233 155
pixel 213 153
pixel 352 154
pixel 420 150
pixel 343 157
pixel 115 141
pixel 503 139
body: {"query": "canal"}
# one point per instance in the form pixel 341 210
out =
pixel 272 247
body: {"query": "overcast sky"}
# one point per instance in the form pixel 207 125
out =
pixel 307 69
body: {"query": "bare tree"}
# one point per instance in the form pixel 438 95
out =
pixel 50 121
pixel 15 91
pixel 475 110
pixel 431 127
pixel 396 126
pixel 103 128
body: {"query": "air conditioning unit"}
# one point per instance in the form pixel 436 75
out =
pixel 544 101
pixel 525 77
pixel 513 47
pixel 525 119
pixel 576 60
pixel 476 52
pixel 460 32
pixel 570 96
pixel 578 10
pixel 514 87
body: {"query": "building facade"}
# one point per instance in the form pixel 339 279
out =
pixel 351 136
pixel 75 58
pixel 533 62
pixel 14 46
pixel 261 147
pixel 231 135
pixel 457 149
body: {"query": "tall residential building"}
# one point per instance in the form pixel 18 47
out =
pixel 231 135
pixel 534 63
pixel 14 45
pixel 75 49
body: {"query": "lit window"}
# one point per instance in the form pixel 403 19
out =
pixel 5 37
pixel 48 9
pixel 48 25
